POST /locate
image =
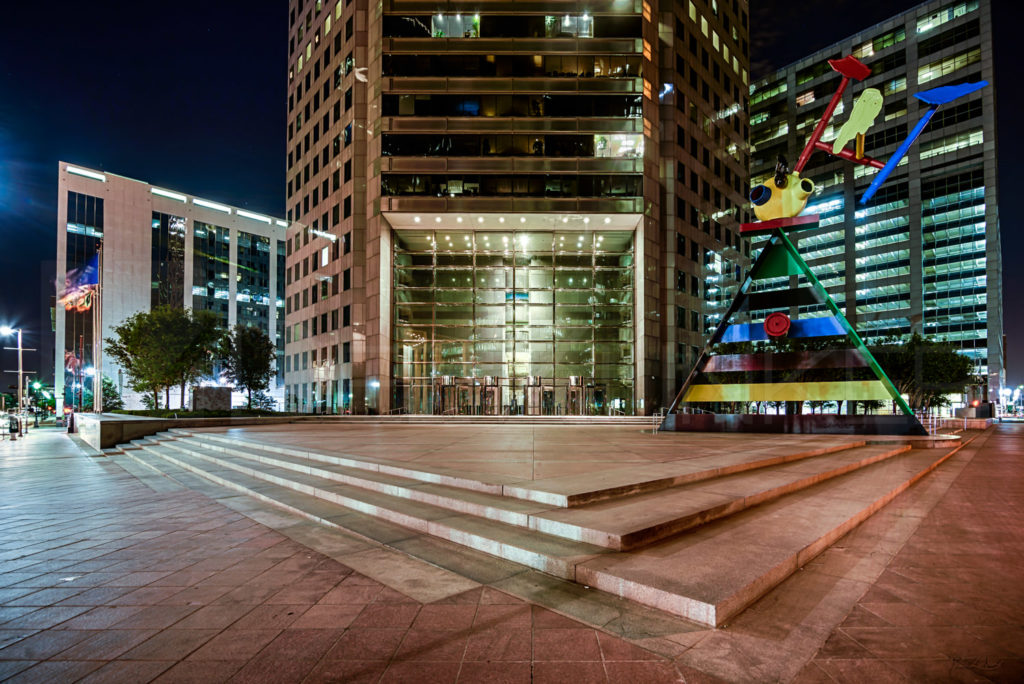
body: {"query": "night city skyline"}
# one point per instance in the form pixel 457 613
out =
pixel 195 103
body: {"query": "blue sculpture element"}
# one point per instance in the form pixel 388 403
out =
pixel 934 97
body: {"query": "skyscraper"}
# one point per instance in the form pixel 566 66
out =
pixel 924 254
pixel 519 208
pixel 160 247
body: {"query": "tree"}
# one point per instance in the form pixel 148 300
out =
pixel 248 354
pixel 112 400
pixel 197 347
pixel 924 369
pixel 262 401
pixel 164 347
pixel 137 347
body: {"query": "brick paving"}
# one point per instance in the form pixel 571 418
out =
pixel 106 577
pixel 950 605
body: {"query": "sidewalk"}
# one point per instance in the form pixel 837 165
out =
pixel 109 576
pixel 105 579
pixel 950 606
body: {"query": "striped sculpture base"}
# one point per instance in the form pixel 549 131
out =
pixel 765 355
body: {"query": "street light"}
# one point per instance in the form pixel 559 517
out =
pixel 7 330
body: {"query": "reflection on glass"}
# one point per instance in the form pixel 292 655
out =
pixel 535 323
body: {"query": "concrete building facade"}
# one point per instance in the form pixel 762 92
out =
pixel 517 207
pixel 925 254
pixel 160 247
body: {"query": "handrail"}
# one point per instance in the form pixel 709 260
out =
pixel 658 419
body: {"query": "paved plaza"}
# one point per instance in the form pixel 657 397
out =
pixel 111 575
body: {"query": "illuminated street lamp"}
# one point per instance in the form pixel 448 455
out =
pixel 5 331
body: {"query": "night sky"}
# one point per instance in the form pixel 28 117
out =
pixel 191 96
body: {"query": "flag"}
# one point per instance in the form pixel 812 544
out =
pixel 80 286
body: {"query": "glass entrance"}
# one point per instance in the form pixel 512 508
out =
pixel 509 317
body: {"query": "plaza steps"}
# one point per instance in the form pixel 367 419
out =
pixel 703 543
pixel 426 419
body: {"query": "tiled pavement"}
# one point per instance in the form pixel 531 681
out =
pixel 950 605
pixel 104 577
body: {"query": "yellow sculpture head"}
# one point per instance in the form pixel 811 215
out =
pixel 772 200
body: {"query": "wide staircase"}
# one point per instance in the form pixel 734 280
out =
pixel 702 538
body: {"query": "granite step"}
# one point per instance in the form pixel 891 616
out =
pixel 624 524
pixel 618 524
pixel 482 504
pixel 788 512
pixel 565 491
pixel 712 573
pixel 319 500
pixel 482 483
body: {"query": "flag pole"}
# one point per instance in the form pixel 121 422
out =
pixel 97 336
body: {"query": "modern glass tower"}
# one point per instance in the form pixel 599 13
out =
pixel 924 255
pixel 510 207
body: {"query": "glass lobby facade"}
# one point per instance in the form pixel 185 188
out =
pixel 516 322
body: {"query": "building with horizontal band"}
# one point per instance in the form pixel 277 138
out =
pixel 924 255
pixel 160 247
pixel 510 208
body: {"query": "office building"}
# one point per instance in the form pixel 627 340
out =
pixel 160 247
pixel 510 208
pixel 924 254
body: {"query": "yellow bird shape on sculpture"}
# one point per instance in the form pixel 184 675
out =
pixel 782 197
pixel 861 118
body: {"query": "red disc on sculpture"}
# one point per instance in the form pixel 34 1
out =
pixel 776 324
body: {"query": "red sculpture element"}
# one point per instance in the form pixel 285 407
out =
pixel 849 156
pixel 849 67
pixel 784 223
pixel 776 324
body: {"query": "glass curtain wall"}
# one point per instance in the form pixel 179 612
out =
pixel 211 249
pixel 168 266
pixel 505 323
pixel 84 236
pixel 253 299
pixel 279 302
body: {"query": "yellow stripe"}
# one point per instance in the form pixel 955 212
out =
pixel 854 390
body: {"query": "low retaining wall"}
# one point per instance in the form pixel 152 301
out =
pixel 110 429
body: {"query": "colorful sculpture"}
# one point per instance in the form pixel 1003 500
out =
pixel 814 357
pixel 784 196
pixel 933 97
pixel 861 118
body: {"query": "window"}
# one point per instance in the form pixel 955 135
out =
pixel 943 67
pixel 346 316
pixel 455 26
pixel 946 14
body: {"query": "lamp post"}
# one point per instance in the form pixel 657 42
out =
pixel 5 331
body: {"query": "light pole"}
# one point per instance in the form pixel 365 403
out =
pixel 5 331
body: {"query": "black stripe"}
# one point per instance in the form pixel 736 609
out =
pixel 780 299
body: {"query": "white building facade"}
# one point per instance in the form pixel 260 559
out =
pixel 159 247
